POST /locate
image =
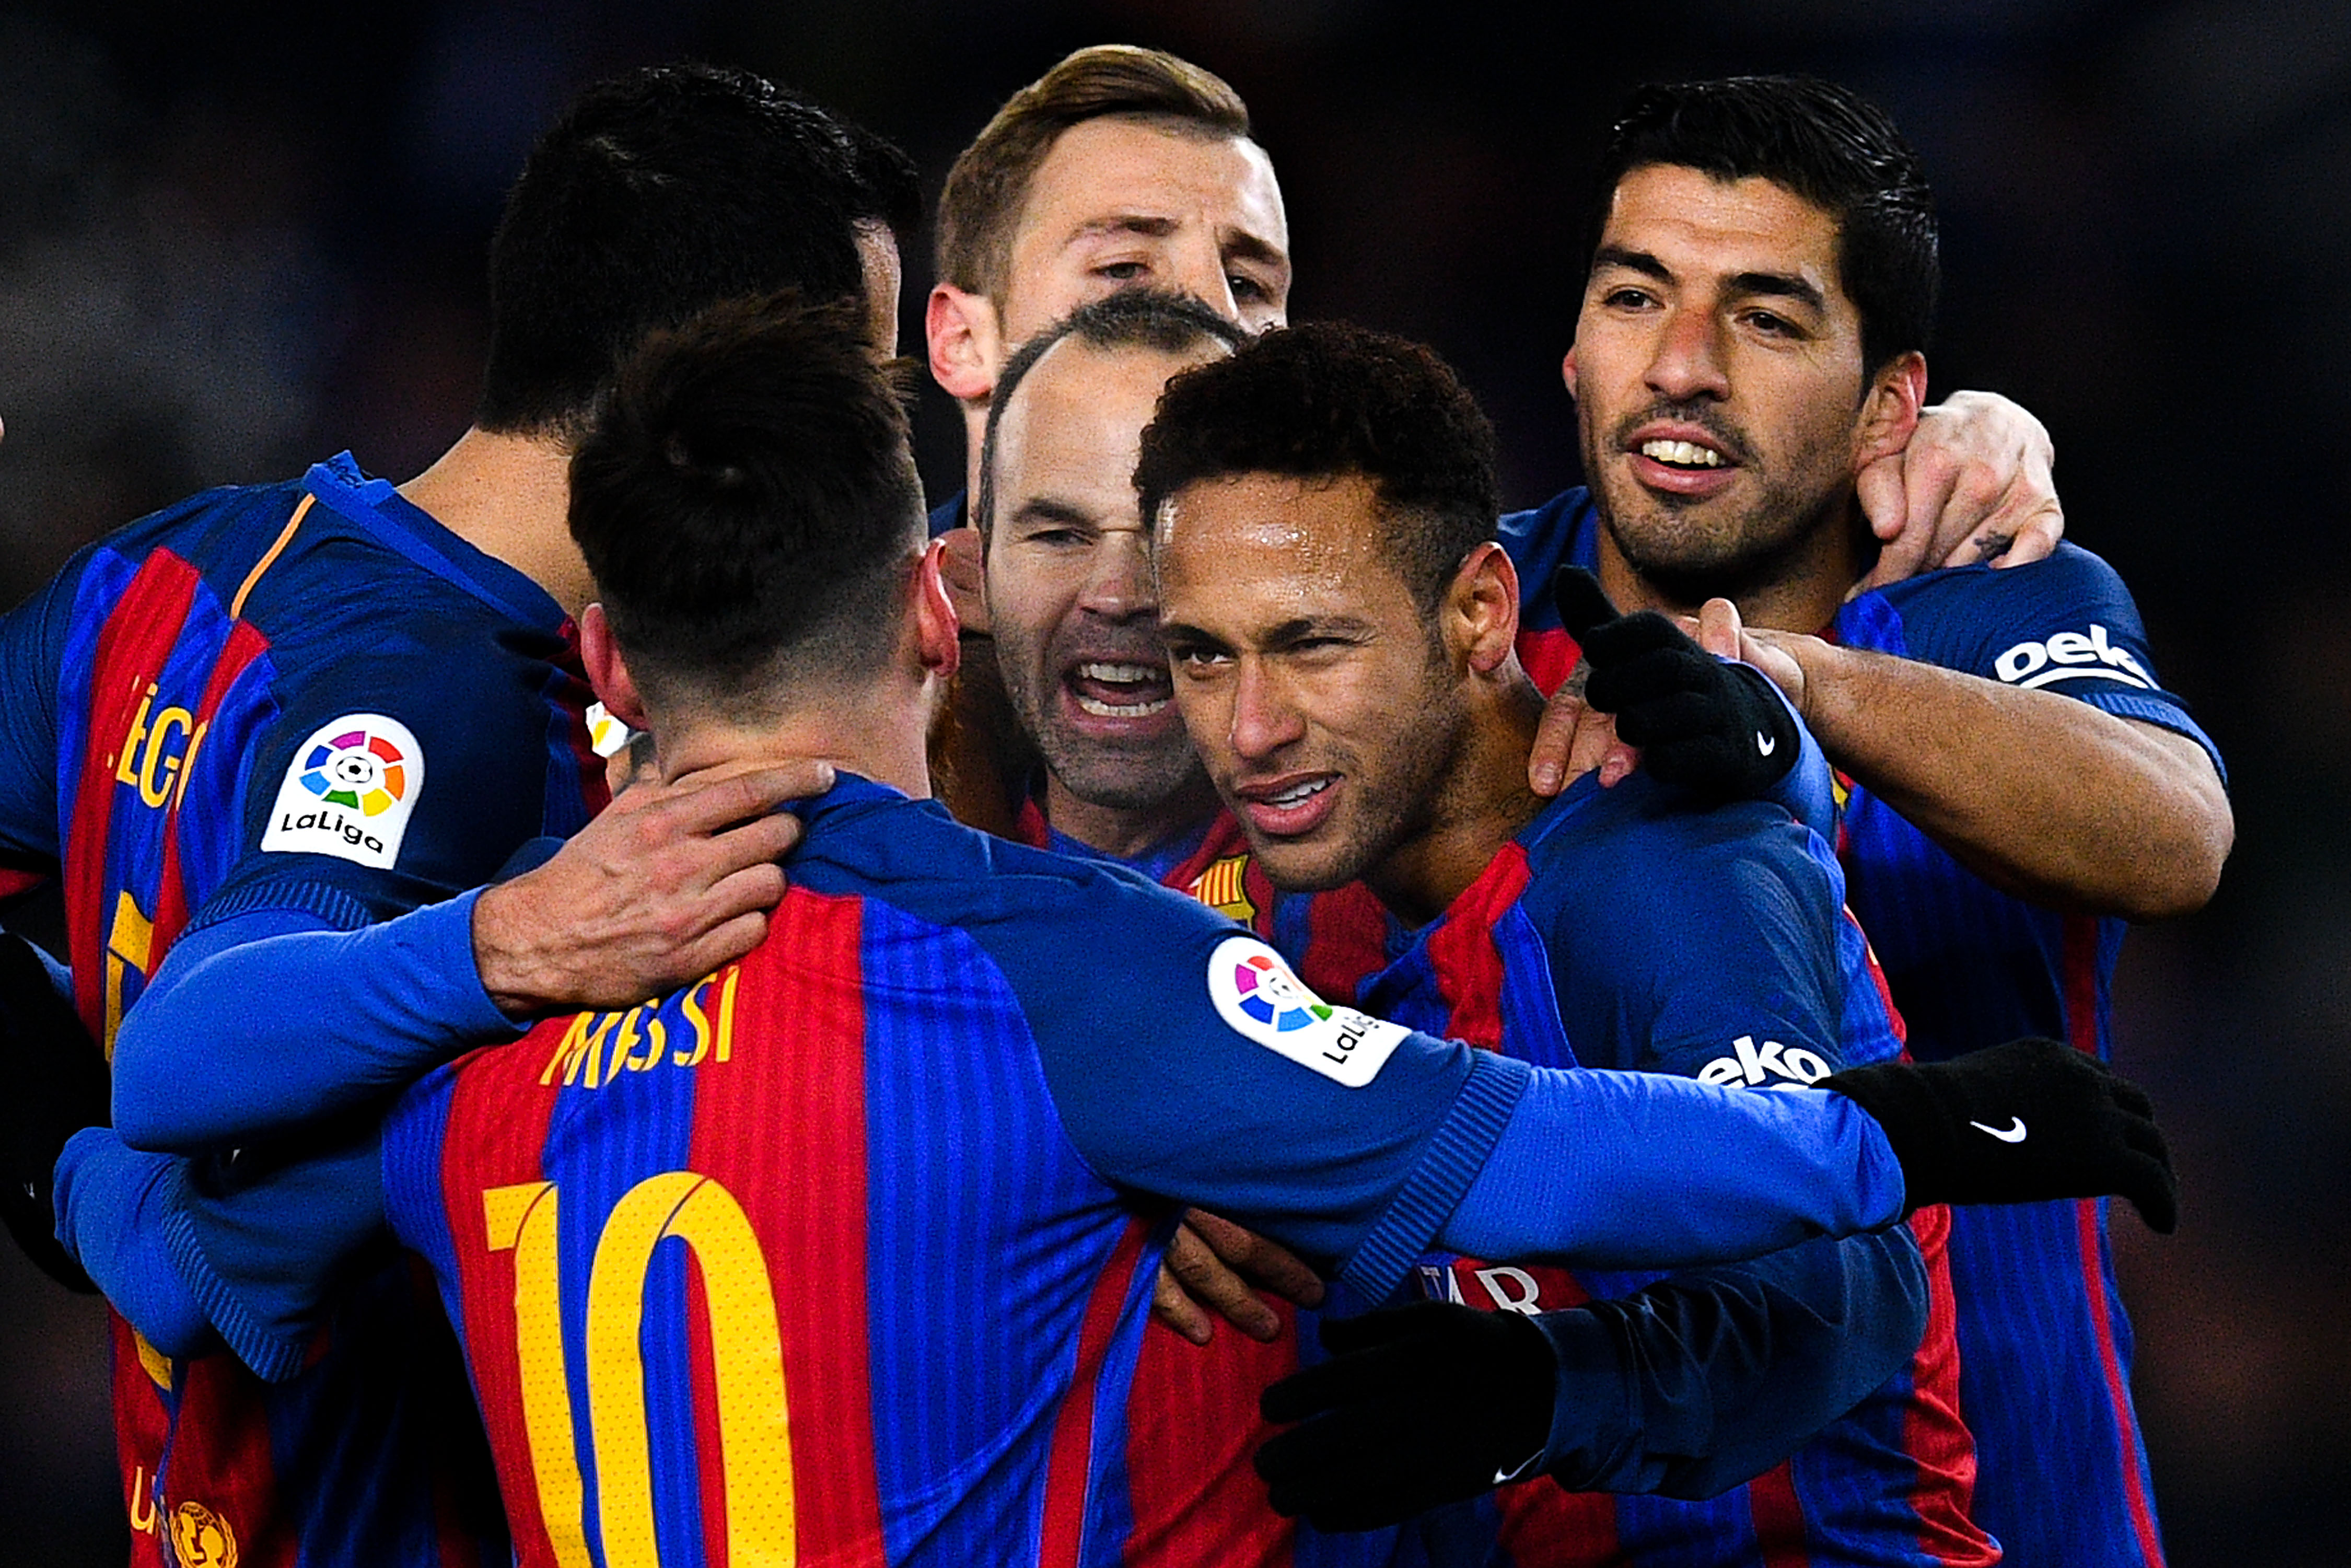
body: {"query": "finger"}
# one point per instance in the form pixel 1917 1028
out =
pixel 1719 628
pixel 754 889
pixel 2154 1191
pixel 1177 1310
pixel 1879 490
pixel 2036 538
pixel 1618 765
pixel 719 947
pixel 722 797
pixel 1550 763
pixel 1207 1279
pixel 1666 721
pixel 1269 1265
pixel 1309 1391
pixel 1595 742
pixel 2131 1098
pixel 1581 602
pixel 762 841
pixel 1630 636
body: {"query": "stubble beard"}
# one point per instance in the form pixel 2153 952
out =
pixel 1691 549
pixel 1113 778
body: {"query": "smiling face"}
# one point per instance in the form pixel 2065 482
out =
pixel 1718 380
pixel 1120 201
pixel 1320 697
pixel 1069 584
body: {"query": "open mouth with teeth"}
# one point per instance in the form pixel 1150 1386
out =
pixel 1107 690
pixel 1682 455
pixel 1289 808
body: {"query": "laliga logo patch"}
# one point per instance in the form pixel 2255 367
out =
pixel 349 791
pixel 1256 994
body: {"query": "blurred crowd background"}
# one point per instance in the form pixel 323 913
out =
pixel 237 238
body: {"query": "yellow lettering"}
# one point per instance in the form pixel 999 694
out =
pixel 656 1041
pixel 522 1219
pixel 129 941
pixel 583 1041
pixel 142 1501
pixel 726 1011
pixel 138 732
pixel 697 1024
pixel 151 792
pixel 624 1043
pixel 747 1352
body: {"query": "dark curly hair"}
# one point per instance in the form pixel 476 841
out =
pixel 1326 400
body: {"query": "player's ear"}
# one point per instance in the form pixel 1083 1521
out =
pixel 938 640
pixel 1567 369
pixel 608 670
pixel 1889 410
pixel 1481 608
pixel 965 342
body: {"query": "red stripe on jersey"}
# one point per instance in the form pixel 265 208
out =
pixel 133 646
pixel 1777 1519
pixel 493 1138
pixel 1543 1527
pixel 171 915
pixel 1461 952
pixel 2078 960
pixel 221 1472
pixel 1933 1434
pixel 2094 1284
pixel 799 1040
pixel 1192 1429
pixel 1072 1459
pixel 140 1425
pixel 1549 657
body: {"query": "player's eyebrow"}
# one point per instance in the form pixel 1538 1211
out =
pixel 1143 223
pixel 1050 512
pixel 1639 261
pixel 1252 247
pixel 1778 286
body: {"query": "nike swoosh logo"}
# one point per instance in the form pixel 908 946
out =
pixel 1765 744
pixel 2011 1134
pixel 1526 1467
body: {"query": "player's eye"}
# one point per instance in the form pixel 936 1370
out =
pixel 1248 289
pixel 1122 271
pixel 1627 297
pixel 1195 659
pixel 1772 325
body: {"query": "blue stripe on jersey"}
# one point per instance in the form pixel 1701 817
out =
pixel 984 1241
pixel 600 1143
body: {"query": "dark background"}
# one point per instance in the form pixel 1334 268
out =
pixel 235 239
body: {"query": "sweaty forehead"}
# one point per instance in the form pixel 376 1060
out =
pixel 1115 167
pixel 1277 544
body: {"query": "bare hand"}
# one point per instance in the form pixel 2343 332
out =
pixel 1975 484
pixel 670 883
pixel 1212 1264
pixel 1574 737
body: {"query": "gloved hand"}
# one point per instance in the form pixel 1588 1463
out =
pixel 1422 1405
pixel 1717 730
pixel 2020 1122
pixel 57 1086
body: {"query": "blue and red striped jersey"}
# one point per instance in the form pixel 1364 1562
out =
pixel 919 1151
pixel 1747 971
pixel 307 697
pixel 2045 1342
pixel 2062 1472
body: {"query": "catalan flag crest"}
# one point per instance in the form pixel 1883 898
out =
pixel 1222 888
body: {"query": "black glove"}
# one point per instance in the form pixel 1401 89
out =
pixel 1420 1405
pixel 2019 1123
pixel 57 1086
pixel 1717 730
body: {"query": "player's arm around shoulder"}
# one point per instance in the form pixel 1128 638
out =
pixel 2025 733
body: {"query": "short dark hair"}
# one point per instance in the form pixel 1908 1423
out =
pixel 989 185
pixel 656 196
pixel 1325 400
pixel 1828 145
pixel 746 502
pixel 1153 319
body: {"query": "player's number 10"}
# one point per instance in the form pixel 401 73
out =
pixel 753 1431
